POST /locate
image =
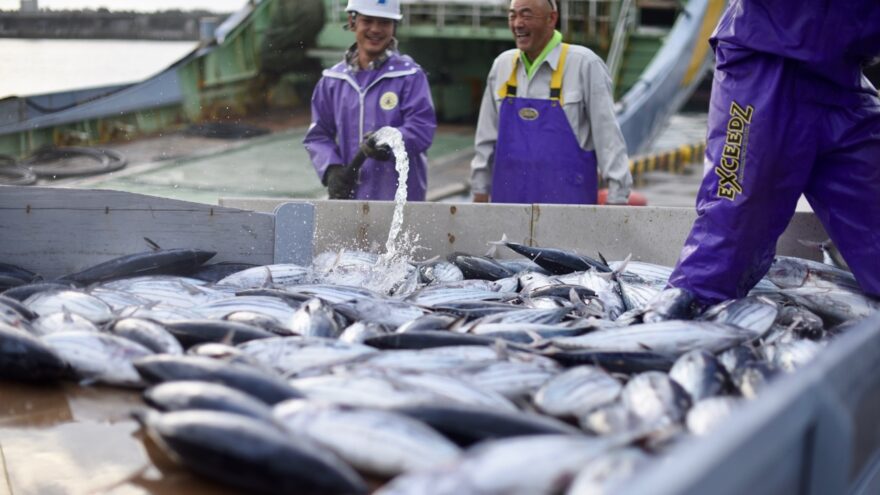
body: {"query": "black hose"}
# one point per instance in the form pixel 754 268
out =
pixel 225 130
pixel 16 176
pixel 56 163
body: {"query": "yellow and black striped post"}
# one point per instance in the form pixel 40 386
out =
pixel 674 161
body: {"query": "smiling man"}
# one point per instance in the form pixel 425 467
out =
pixel 373 87
pixel 547 125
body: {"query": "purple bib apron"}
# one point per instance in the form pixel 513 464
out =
pixel 537 156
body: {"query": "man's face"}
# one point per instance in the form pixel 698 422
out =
pixel 532 23
pixel 372 34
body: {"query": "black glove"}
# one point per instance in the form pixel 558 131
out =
pixel 381 152
pixel 341 181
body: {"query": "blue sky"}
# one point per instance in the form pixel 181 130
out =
pixel 141 5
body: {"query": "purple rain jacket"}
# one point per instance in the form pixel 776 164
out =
pixel 791 113
pixel 347 105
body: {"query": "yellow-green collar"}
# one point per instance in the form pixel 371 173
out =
pixel 532 67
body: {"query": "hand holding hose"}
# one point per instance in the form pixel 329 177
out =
pixel 380 152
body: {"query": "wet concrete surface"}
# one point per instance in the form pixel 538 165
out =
pixel 71 439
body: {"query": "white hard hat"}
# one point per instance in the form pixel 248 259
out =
pixel 389 9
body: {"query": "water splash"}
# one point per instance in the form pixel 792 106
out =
pixel 392 271
pixel 394 139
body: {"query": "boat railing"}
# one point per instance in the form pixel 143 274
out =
pixel 625 23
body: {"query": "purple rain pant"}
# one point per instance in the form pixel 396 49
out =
pixel 770 140
pixel 538 158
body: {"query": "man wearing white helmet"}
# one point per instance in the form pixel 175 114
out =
pixel 374 86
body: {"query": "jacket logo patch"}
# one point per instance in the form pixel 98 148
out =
pixel 388 101
pixel 528 113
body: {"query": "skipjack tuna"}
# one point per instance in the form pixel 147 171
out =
pixel 558 372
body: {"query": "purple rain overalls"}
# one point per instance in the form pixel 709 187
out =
pixel 790 113
pixel 537 155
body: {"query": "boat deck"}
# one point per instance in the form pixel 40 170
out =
pixel 276 165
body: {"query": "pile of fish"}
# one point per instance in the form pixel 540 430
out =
pixel 551 373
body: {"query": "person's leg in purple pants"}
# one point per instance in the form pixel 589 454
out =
pixel 761 148
pixel 844 189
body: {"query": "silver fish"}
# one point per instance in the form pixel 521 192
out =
pixel 147 333
pixel 250 454
pixel 700 374
pixel 358 332
pixel 441 273
pixel 377 442
pixel 836 305
pixel 672 337
pixel 61 322
pixel 279 275
pixel 577 391
pixel 528 465
pixel 196 395
pixel 74 301
pixel 161 313
pixel 434 359
pixel 436 295
pixel 537 316
pixel 708 414
pixel 280 310
pixel 751 313
pixel 315 319
pixel 331 293
pixel 793 355
pixel 655 398
pixel 382 311
pixel 118 299
pixel 457 390
pixel 99 357
pixel 606 474
pixel 801 321
pixel 362 390
pixel 604 286
pixel 292 355
pixel 180 292
pixel 791 273
pixel 511 379
pixel 613 419
pixel 752 378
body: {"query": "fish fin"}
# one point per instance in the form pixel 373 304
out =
pixel 494 245
pixel 153 245
pixel 68 317
pixel 602 257
pixel 227 339
pixel 268 282
pixel 537 339
pixel 645 347
pixel 622 268
pixel 500 347
pixel 427 262
pixel 457 324
pixel 191 289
